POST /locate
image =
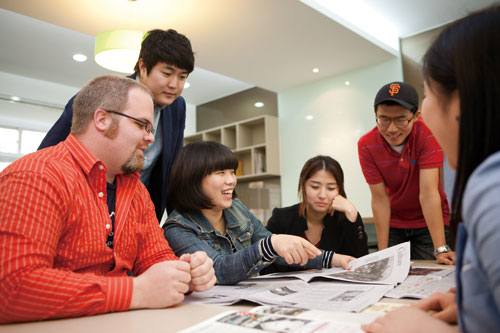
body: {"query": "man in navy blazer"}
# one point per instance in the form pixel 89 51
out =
pixel 165 61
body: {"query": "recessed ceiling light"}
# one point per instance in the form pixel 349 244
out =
pixel 79 57
pixel 309 117
pixel 315 70
pixel 187 85
pixel 15 98
pixel 347 83
pixel 259 104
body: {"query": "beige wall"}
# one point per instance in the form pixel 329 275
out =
pixel 412 50
pixel 239 106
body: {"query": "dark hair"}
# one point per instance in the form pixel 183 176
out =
pixel 166 46
pixel 312 166
pixel 466 58
pixel 191 164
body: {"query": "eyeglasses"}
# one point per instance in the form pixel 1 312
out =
pixel 146 125
pixel 400 122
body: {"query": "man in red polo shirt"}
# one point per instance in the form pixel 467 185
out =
pixel 400 160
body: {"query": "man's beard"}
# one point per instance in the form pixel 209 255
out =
pixel 134 163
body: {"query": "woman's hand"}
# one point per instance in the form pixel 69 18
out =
pixel 408 319
pixel 341 260
pixel 443 303
pixel 345 206
pixel 294 249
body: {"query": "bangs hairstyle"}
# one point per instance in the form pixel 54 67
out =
pixel 312 166
pixel 193 163
pixel 166 46
pixel 466 58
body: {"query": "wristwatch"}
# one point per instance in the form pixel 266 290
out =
pixel 442 249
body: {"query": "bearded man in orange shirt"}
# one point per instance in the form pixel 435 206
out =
pixel 76 223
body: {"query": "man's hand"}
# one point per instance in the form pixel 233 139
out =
pixel 443 303
pixel 294 249
pixel 202 271
pixel 446 258
pixel 341 260
pixel 161 285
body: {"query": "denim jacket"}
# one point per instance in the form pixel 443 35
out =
pixel 191 232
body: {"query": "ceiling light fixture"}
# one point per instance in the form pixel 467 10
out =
pixel 309 117
pixel 315 70
pixel 118 50
pixel 258 104
pixel 187 85
pixel 79 57
pixel 347 83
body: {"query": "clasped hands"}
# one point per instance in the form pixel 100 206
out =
pixel 165 284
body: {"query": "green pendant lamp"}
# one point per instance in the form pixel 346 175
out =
pixel 118 49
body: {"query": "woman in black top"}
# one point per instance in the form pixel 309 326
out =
pixel 324 216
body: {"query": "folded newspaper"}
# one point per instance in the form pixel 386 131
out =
pixel 284 319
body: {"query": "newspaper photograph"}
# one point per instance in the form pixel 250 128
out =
pixel 423 281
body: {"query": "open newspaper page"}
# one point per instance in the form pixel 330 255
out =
pixel 388 266
pixel 284 319
pixel 230 294
pixel 423 281
pixel 329 296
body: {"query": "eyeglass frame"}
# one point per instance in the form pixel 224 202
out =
pixel 146 123
pixel 393 120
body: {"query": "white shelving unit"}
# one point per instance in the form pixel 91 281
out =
pixel 254 141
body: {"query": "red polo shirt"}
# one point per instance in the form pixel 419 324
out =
pixel 401 172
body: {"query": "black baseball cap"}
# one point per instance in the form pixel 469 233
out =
pixel 399 92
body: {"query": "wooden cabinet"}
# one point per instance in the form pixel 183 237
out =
pixel 255 142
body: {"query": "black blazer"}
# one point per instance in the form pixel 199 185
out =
pixel 341 236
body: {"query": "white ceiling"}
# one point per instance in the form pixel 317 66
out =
pixel 273 44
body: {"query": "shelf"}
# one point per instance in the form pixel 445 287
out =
pixel 257 176
pixel 213 135
pixel 254 141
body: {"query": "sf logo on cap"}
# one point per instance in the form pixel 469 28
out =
pixel 394 89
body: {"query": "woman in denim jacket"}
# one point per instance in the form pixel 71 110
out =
pixel 207 218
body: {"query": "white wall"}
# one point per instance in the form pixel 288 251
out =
pixel 31 116
pixel 190 119
pixel 342 114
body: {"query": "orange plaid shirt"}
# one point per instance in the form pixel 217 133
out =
pixel 54 261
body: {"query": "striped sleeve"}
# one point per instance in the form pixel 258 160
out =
pixel 267 249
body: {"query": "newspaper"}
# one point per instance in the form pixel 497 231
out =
pixel 284 319
pixel 329 296
pixel 227 295
pixel 423 281
pixel 375 275
pixel 389 266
